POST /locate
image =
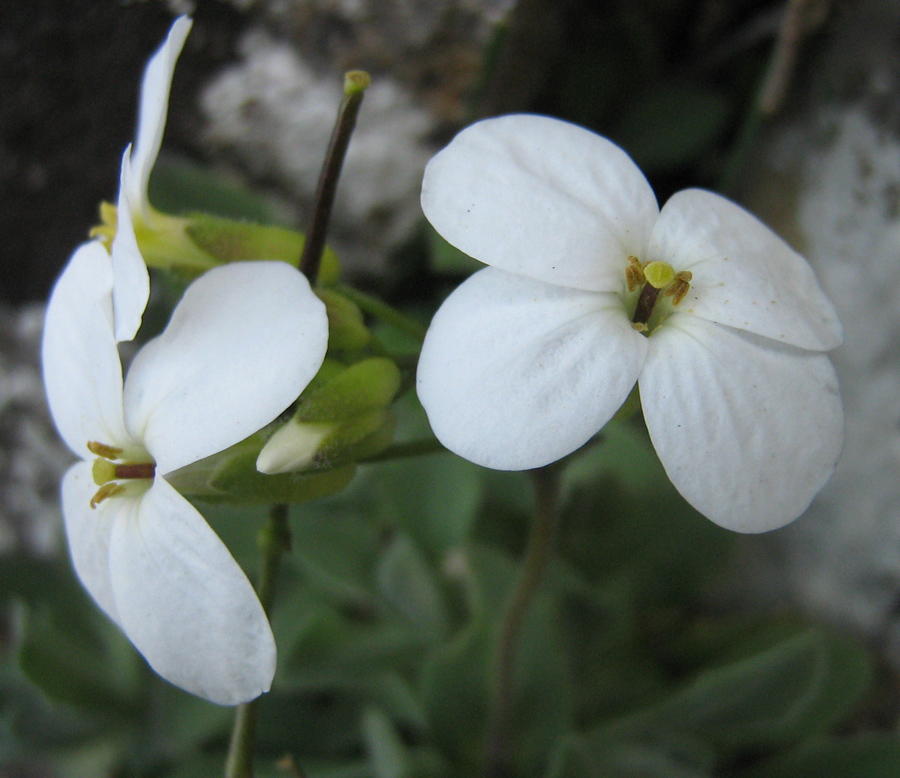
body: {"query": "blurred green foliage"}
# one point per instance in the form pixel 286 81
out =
pixel 385 618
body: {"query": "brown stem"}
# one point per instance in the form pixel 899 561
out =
pixel 498 753
pixel 355 84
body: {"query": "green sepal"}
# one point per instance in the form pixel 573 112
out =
pixel 236 480
pixel 363 436
pixel 368 385
pixel 228 240
pixel 346 329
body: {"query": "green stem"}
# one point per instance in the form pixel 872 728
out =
pixel 274 541
pixel 383 311
pixel 355 85
pixel 498 752
pixel 412 448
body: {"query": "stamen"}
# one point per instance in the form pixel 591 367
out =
pixel 634 273
pixel 680 286
pixel 107 490
pixel 103 450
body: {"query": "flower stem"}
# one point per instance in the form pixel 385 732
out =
pixel 412 448
pixel 355 84
pixel 274 541
pixel 498 751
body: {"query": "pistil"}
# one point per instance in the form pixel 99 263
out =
pixel 644 307
pixel 135 470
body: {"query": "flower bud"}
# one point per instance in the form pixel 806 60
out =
pixel 339 420
pixel 346 329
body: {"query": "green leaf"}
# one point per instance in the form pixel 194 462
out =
pixel 408 583
pixel 672 125
pixel 67 670
pixel 387 752
pixel 577 757
pixel 602 633
pixel 51 585
pixel 869 756
pixel 457 677
pixel 180 186
pixel 623 520
pixel 454 688
pixel 433 498
pixel 798 688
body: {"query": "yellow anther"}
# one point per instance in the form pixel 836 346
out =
pixel 640 326
pixel 109 223
pixel 103 450
pixel 103 471
pixel 680 286
pixel 659 274
pixel 107 490
pixel 634 273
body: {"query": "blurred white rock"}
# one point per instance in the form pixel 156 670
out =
pixel 830 179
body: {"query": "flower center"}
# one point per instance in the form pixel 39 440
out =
pixel 653 278
pixel 110 471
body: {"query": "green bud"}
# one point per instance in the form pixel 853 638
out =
pixel 293 447
pixel 346 329
pixel 370 384
pixel 339 421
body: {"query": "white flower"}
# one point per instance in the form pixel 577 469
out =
pixel 529 358
pixel 241 345
pixel 154 106
pixel 132 285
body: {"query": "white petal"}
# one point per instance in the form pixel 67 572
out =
pixel 745 276
pixel 82 370
pixel 542 198
pixel 515 373
pixel 131 287
pixel 152 112
pixel 184 602
pixel 241 345
pixel 748 430
pixel 87 531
